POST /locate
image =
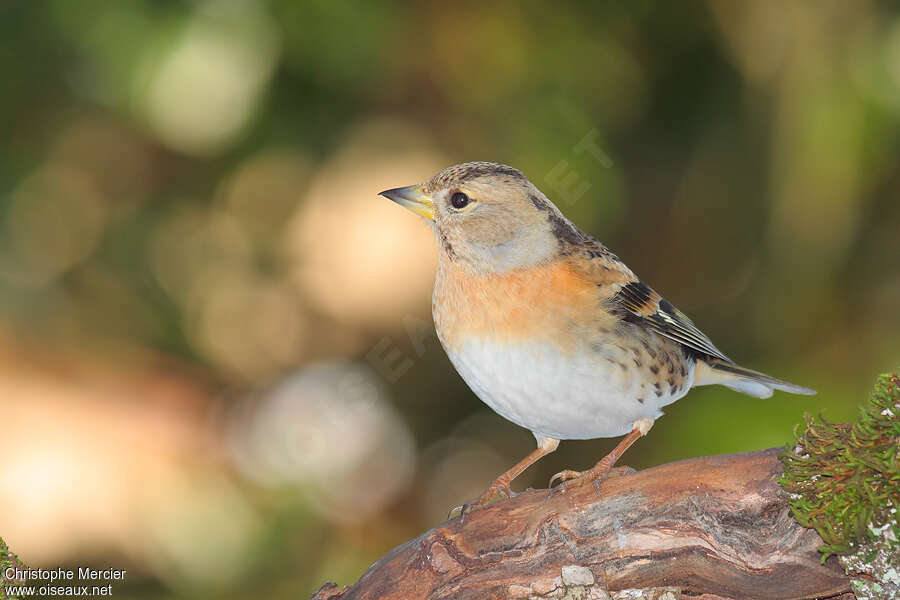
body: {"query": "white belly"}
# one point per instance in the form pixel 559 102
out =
pixel 591 394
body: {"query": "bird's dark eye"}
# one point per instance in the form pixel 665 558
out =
pixel 459 200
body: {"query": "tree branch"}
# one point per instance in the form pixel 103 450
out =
pixel 716 526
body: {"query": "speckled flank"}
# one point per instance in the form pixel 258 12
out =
pixel 666 370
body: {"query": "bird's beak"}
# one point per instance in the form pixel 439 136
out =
pixel 413 198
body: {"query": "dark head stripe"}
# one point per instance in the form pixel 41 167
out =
pixel 480 169
pixel 472 170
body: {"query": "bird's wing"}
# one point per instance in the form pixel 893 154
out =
pixel 637 303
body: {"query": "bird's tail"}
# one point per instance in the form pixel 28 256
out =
pixel 742 379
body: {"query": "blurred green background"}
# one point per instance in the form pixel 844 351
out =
pixel 217 366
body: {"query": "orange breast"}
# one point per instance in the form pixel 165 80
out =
pixel 553 303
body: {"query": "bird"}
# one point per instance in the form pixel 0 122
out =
pixel 549 328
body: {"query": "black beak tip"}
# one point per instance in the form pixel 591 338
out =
pixel 390 194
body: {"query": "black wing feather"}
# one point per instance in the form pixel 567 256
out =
pixel 639 304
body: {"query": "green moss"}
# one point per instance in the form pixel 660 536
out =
pixel 844 479
pixel 7 559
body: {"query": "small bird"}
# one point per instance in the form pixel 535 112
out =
pixel 549 328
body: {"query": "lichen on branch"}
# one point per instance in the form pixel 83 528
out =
pixel 844 481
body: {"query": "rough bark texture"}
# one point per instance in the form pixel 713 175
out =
pixel 713 527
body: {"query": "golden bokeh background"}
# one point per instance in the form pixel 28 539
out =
pixel 217 364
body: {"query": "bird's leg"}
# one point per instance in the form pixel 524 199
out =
pixel 501 484
pixel 603 467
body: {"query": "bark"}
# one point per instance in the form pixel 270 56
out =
pixel 713 527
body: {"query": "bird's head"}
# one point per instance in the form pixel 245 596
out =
pixel 488 217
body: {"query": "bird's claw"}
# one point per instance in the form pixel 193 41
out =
pixel 483 500
pixel 457 511
pixel 565 476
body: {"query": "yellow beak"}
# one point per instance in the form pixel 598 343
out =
pixel 413 198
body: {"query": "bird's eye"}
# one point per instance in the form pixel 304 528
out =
pixel 459 200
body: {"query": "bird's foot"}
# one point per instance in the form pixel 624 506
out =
pixel 567 475
pixel 496 489
pixel 571 479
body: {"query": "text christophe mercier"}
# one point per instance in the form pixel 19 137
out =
pixel 63 576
